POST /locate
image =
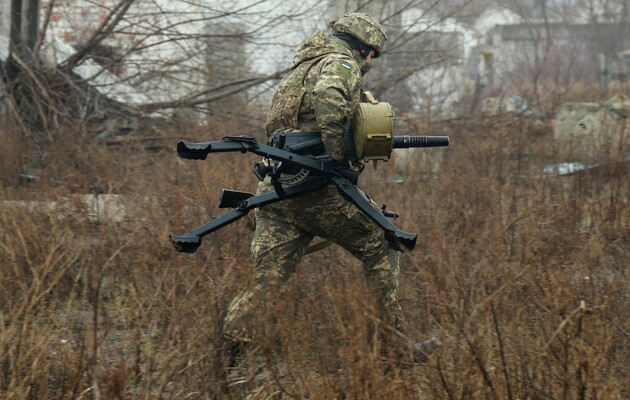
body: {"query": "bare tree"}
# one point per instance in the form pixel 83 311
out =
pixel 23 34
pixel 147 56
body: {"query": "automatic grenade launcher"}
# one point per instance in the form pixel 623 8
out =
pixel 291 157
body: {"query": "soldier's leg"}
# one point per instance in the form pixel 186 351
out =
pixel 367 242
pixel 380 266
pixel 277 247
pixel 331 217
pixel 382 270
pixel 382 274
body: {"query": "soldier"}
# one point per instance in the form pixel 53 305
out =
pixel 321 93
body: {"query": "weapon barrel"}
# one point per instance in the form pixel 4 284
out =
pixel 409 141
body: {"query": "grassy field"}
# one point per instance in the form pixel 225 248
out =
pixel 525 273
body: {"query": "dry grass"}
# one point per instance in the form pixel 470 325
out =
pixel 526 274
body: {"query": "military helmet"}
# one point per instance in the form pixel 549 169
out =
pixel 364 28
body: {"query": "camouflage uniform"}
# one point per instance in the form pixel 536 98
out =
pixel 320 94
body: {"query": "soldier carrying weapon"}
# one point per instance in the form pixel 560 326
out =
pixel 320 94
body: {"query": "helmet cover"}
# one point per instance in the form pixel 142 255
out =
pixel 364 28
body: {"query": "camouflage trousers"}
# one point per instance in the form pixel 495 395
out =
pixel 284 231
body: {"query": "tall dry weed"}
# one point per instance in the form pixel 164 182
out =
pixel 522 274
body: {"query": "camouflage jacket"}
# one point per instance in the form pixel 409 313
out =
pixel 321 92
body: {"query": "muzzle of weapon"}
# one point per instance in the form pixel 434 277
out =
pixel 413 141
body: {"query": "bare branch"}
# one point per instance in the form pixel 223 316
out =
pixel 213 94
pixel 106 28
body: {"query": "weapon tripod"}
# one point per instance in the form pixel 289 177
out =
pixel 287 157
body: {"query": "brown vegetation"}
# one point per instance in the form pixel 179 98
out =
pixel 525 274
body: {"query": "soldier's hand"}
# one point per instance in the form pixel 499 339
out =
pixel 355 164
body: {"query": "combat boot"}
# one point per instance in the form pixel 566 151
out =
pixel 236 353
pixel 422 352
pixel 405 354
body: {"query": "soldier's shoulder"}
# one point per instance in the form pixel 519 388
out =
pixel 342 65
pixel 341 58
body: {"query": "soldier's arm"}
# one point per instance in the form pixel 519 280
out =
pixel 339 82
